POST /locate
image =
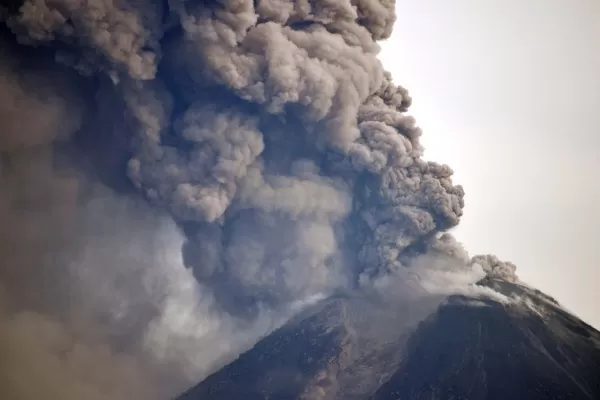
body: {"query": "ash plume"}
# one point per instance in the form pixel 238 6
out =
pixel 177 172
pixel 496 268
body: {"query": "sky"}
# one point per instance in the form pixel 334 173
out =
pixel 508 94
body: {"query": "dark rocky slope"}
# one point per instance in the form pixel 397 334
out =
pixel 358 348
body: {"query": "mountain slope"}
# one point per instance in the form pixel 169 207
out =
pixel 495 352
pixel 356 348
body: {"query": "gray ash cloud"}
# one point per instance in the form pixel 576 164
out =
pixel 268 131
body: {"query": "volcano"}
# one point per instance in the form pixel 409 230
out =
pixel 352 347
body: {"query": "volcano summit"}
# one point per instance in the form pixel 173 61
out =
pixel 470 348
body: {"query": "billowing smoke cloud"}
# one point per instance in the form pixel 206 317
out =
pixel 278 159
pixel 496 268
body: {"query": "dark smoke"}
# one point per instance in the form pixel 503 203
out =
pixel 276 154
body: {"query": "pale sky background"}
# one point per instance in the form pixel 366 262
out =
pixel 508 94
